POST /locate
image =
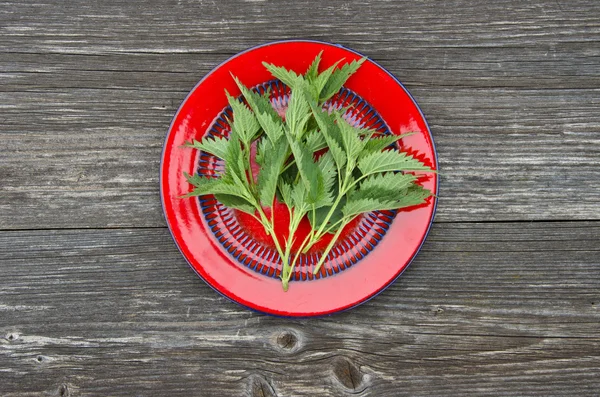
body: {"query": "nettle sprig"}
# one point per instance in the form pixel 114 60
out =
pixel 312 160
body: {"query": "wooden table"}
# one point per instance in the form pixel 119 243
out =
pixel 96 300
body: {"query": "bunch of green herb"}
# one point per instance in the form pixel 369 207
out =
pixel 355 174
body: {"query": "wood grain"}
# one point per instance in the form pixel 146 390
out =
pixel 503 299
pixel 510 91
pixel 500 308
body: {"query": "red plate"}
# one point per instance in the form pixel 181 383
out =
pixel 231 254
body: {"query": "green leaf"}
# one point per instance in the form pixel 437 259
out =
pixel 351 140
pixel 379 143
pixel 326 164
pixel 338 154
pixel 338 78
pixel 263 146
pixel 287 77
pixel 203 186
pixel 236 202
pixel 360 205
pixel 286 193
pixel 310 173
pixel 244 122
pixel 320 82
pixel 235 168
pixel 315 141
pixel 258 103
pixel 388 186
pixel 299 197
pixel 390 181
pixel 331 133
pixel 269 173
pixel 297 114
pixel 327 123
pixel 272 126
pixel 217 146
pixel 377 193
pixel 265 114
pixel 313 70
pixel 389 160
pixel 415 195
pixel 321 214
pixel 327 167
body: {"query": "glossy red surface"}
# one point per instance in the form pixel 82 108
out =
pixel 208 258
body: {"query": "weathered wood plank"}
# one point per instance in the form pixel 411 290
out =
pixel 189 26
pixel 511 91
pixel 496 308
pixel 90 158
pixel 88 91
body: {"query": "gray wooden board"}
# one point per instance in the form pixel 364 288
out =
pixel 511 92
pixel 486 308
pixel 95 299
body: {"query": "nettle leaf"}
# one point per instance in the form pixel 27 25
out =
pixel 236 202
pixel 390 160
pixel 287 77
pixel 203 186
pixel 321 215
pixel 310 173
pixel 272 126
pixel 388 186
pixel 360 205
pixel 195 178
pixel 299 197
pixel 393 181
pixel 217 146
pixel 286 192
pixel 353 145
pixel 263 146
pixel 415 195
pixel 377 144
pixel 244 122
pixel 269 173
pixel 320 82
pixel 235 168
pixel 297 114
pixel 257 102
pixel 315 141
pixel 327 166
pixel 366 133
pixel 331 133
pixel 376 199
pixel 327 123
pixel 313 70
pixel 377 193
pixel 338 154
pixel 338 78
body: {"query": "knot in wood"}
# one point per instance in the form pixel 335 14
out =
pixel 347 373
pixel 287 340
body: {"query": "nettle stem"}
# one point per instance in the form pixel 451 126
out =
pixel 287 263
pixel 328 249
pixel 315 236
